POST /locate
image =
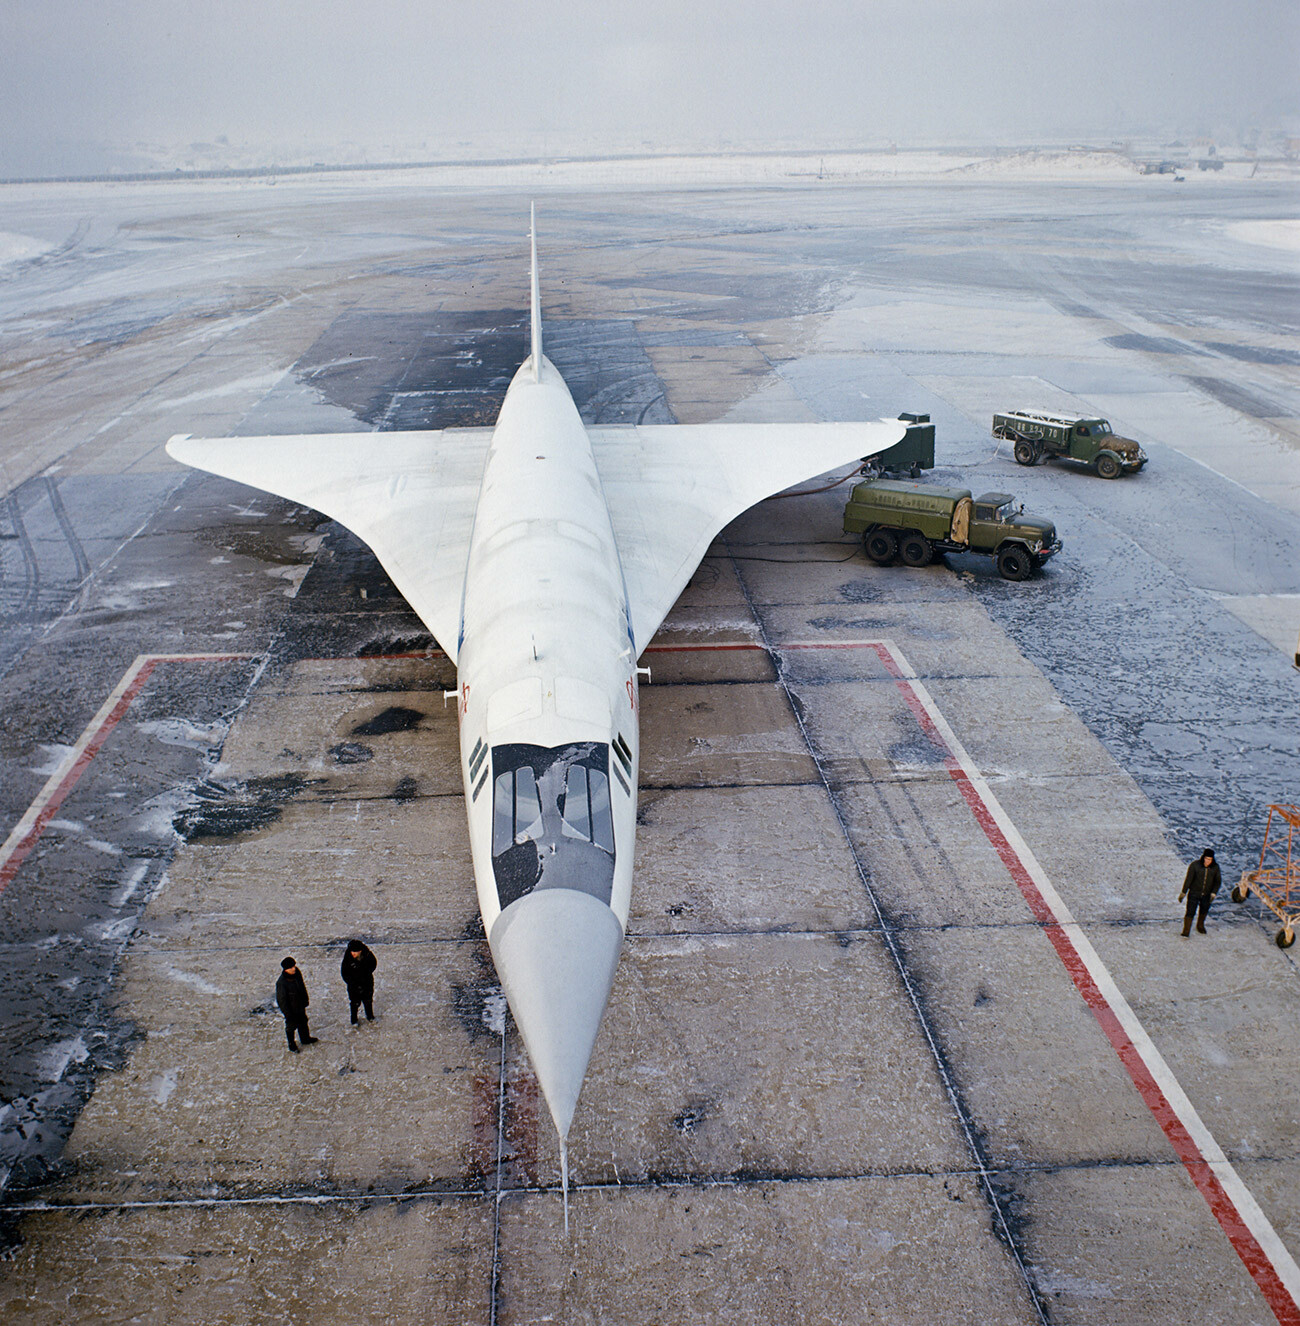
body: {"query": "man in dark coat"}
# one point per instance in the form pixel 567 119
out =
pixel 291 994
pixel 358 972
pixel 1199 887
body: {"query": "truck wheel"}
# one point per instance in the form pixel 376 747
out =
pixel 1285 937
pixel 881 546
pixel 915 549
pixel 1014 563
pixel 1107 466
pixel 1239 894
pixel 1024 453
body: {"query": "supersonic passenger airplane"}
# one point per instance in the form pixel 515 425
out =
pixel 543 555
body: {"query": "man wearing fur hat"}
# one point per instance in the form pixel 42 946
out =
pixel 1200 885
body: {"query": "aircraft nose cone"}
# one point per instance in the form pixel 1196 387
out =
pixel 556 951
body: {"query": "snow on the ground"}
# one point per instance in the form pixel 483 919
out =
pixel 19 248
pixel 1284 234
pixel 675 171
pixel 1057 165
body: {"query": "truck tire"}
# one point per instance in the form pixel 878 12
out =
pixel 1014 562
pixel 1025 452
pixel 1108 466
pixel 881 546
pixel 914 549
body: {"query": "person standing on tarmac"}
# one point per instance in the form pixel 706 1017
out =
pixel 358 972
pixel 291 994
pixel 1200 885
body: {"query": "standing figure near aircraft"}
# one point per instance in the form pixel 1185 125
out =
pixel 358 972
pixel 1200 885
pixel 291 994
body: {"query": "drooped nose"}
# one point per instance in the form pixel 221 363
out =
pixel 556 951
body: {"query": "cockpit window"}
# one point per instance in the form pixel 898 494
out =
pixel 586 812
pixel 516 810
pixel 552 822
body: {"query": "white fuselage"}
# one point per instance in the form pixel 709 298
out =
pixel 546 657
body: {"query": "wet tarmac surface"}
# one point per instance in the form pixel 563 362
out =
pixel 845 305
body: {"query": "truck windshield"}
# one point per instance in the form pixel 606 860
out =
pixel 1101 427
pixel 552 823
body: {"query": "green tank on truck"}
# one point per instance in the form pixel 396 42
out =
pixel 913 522
pixel 1075 437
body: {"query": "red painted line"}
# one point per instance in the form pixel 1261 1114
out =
pixel 1223 1208
pixel 22 849
pixel 698 649
pixel 91 741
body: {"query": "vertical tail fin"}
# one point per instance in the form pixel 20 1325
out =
pixel 536 298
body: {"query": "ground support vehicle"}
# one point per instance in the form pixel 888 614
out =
pixel 1089 440
pixel 1277 878
pixel 914 522
pixel 913 453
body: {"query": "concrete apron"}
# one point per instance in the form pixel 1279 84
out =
pixel 844 1074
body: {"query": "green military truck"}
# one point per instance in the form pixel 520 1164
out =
pixel 913 522
pixel 1089 440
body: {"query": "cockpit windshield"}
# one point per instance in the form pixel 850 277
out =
pixel 552 822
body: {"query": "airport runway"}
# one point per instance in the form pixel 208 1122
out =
pixel 905 1030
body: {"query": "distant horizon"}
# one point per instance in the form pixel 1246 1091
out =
pixel 234 160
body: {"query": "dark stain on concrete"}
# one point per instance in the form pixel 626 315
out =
pixel 402 644
pixel 1256 354
pixel 396 718
pixel 226 809
pixel 1156 345
pixel 1254 404
pixel 351 752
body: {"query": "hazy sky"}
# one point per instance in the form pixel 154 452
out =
pixel 83 83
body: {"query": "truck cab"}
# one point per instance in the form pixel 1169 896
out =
pixel 915 522
pixel 1087 439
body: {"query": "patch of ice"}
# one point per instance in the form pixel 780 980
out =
pixel 1281 234
pixel 68 826
pixel 494 1013
pixel 53 1063
pixel 182 732
pixel 295 575
pixel 131 884
pixel 52 759
pixel 1058 1282
pixel 20 248
pixel 193 981
pixel 112 930
pixel 257 385
pixel 161 1088
pixel 99 845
